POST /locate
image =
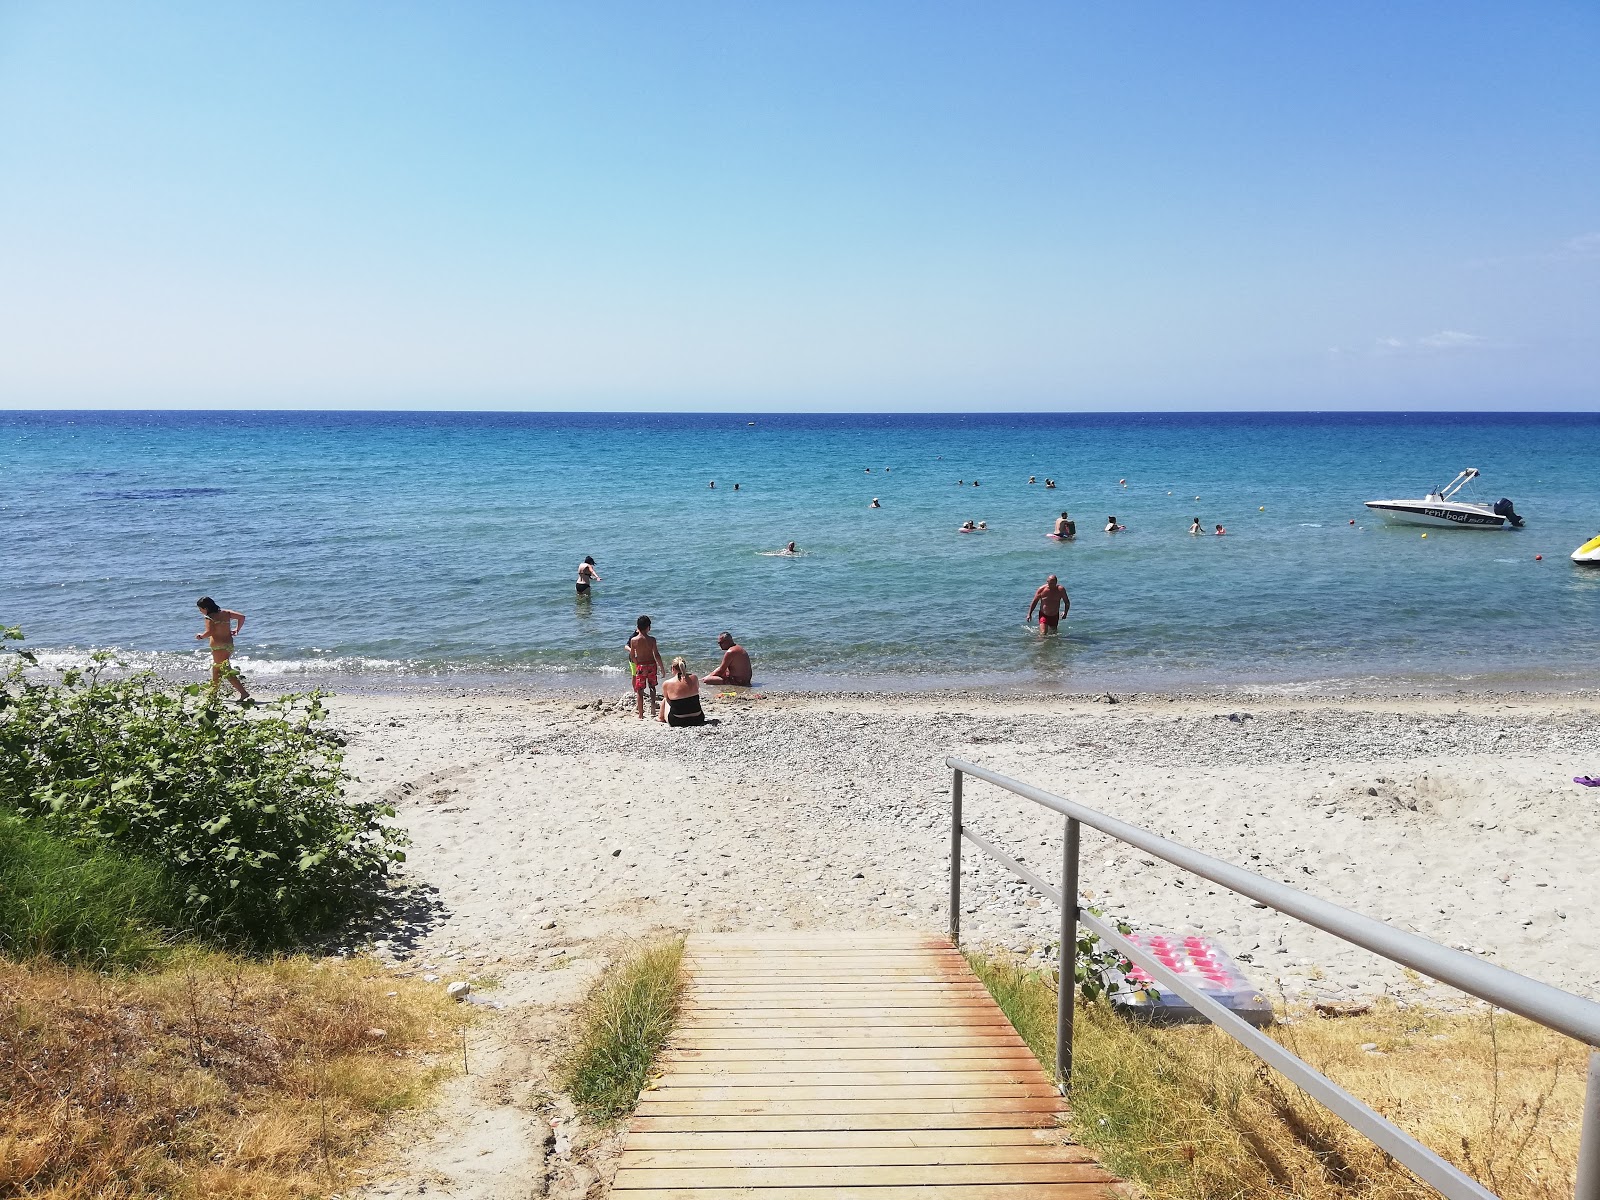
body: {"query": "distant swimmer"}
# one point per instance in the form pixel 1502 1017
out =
pixel 586 575
pixel 1195 528
pixel 974 483
pixel 791 548
pixel 712 484
pixel 1052 602
pixel 736 487
pixel 868 470
pixel 1049 483
pixel 1123 482
pixel 967 527
pixel 1221 531
pixel 874 503
pixel 735 668
pixel 1031 479
pixel 983 526
pixel 222 626
pixel 644 656
pixel 1066 527
pixel 1113 527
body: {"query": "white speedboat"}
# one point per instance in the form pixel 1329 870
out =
pixel 1441 509
pixel 1589 552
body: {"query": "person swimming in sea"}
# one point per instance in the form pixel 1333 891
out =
pixel 1113 527
pixel 1221 531
pixel 222 626
pixel 1066 527
pixel 586 575
pixel 1031 479
pixel 1050 483
pixel 790 550
pixel 874 503
pixel 1195 528
pixel 967 527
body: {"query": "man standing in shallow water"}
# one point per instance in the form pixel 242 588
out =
pixel 1052 602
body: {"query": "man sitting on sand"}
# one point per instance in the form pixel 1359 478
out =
pixel 1052 602
pixel 645 656
pixel 734 669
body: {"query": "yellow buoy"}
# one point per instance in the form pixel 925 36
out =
pixel 1263 508
pixel 1424 535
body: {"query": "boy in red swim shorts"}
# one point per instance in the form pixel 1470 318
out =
pixel 645 657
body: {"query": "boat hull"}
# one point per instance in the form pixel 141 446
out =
pixel 1437 516
pixel 1588 553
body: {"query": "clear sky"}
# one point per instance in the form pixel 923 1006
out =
pixel 862 204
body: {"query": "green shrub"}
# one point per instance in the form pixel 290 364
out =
pixel 245 810
pixel 81 903
pixel 624 1023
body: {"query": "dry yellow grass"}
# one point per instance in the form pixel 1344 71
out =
pixel 211 1077
pixel 1188 1113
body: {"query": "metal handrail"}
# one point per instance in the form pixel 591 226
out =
pixel 1549 1006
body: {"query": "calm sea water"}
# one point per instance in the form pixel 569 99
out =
pixel 398 546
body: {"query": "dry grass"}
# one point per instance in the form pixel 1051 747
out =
pixel 211 1077
pixel 1188 1113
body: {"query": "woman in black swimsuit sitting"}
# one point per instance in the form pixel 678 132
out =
pixel 681 705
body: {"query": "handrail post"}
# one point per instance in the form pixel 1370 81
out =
pixel 1587 1184
pixel 955 858
pixel 1066 985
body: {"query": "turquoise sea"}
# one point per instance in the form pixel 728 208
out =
pixel 395 549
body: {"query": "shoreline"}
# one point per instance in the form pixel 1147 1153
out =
pixel 270 676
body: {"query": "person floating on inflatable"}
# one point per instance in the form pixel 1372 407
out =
pixel 1113 527
pixel 1066 528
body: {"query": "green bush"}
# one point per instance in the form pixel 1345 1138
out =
pixel 245 810
pixel 78 902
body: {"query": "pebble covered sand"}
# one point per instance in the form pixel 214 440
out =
pixel 547 824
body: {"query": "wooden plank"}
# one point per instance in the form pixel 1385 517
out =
pixel 819 1176
pixel 985 1191
pixel 759 1122
pixel 651 1106
pixel 789 1078
pixel 966 1058
pixel 847 1140
pixel 872 1068
pixel 852 1156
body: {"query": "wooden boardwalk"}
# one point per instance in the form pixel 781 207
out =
pixel 857 1066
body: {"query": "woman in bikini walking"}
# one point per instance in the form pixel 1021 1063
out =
pixel 222 624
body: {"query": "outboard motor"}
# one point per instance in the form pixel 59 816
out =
pixel 1503 508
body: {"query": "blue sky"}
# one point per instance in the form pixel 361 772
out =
pixel 863 205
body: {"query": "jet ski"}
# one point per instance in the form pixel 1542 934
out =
pixel 1589 552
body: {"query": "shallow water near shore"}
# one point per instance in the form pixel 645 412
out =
pixel 387 549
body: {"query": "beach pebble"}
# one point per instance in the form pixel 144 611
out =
pixel 458 990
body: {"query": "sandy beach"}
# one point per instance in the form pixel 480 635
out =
pixel 556 830
pixel 546 823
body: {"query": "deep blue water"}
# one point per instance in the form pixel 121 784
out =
pixel 399 544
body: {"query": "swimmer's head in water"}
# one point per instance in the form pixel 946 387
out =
pixel 679 667
pixel 790 547
pixel 208 606
pixel 642 624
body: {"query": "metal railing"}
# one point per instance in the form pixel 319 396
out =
pixel 1539 1002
